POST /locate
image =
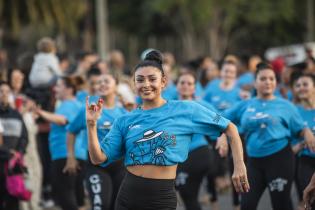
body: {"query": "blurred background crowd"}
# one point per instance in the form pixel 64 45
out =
pixel 43 40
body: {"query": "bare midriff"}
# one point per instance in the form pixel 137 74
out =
pixel 153 172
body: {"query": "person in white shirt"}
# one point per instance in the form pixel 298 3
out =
pixel 45 68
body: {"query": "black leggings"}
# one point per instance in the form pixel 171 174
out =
pixel 297 180
pixel 276 172
pixel 68 190
pixel 190 175
pixel 218 169
pixel 103 184
pixel 305 172
pixel 138 193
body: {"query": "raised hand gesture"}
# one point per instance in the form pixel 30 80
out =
pixel 93 111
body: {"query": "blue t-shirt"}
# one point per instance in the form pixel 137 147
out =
pixel 170 92
pixel 247 78
pixel 160 136
pixel 82 94
pixel 266 124
pixel 78 125
pixel 199 140
pixel 222 99
pixel 308 116
pixel 214 82
pixel 57 135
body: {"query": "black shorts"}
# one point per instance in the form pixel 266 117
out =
pixel 138 193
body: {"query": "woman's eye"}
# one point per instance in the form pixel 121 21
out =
pixel 139 80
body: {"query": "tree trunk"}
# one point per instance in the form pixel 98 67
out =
pixel 102 28
pixel 310 21
pixel 218 37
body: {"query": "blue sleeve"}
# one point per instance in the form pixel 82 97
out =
pixel 207 105
pixel 112 145
pixel 207 96
pixel 207 122
pixel 235 112
pixel 68 110
pixel 295 121
pixel 78 122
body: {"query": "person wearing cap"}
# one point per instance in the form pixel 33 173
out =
pixel 154 138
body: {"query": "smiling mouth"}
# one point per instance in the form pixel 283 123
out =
pixel 147 92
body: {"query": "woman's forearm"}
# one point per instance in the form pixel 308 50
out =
pixel 235 142
pixel 53 118
pixel 96 154
pixel 70 144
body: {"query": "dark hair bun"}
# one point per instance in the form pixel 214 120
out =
pixel 155 56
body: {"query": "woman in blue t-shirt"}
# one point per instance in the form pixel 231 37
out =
pixel 154 138
pixel 268 123
pixel 304 93
pixel 67 189
pixel 191 173
pixel 223 94
pixel 102 182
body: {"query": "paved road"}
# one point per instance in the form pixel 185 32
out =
pixel 225 202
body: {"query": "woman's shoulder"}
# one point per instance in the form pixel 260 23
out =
pixel 178 104
pixel 285 102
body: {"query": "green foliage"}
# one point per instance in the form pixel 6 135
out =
pixel 63 15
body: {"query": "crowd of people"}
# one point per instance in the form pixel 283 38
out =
pixel 129 138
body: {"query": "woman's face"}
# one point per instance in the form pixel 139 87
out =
pixel 60 89
pixel 149 83
pixel 186 85
pixel 304 88
pixel 265 83
pixel 4 94
pixel 94 83
pixel 107 85
pixel 228 72
pixel 17 80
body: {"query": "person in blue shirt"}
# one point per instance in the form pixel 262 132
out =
pixel 154 138
pixel 92 77
pixel 268 123
pixel 102 183
pixel 304 90
pixel 247 79
pixel 191 173
pixel 68 190
pixel 225 92
pixel 222 95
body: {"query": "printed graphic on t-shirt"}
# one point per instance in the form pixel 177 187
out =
pixel 277 184
pixel 181 179
pixel 260 121
pixel 151 148
pixel 105 125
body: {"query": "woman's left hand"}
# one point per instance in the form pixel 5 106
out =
pixel 310 143
pixel 239 177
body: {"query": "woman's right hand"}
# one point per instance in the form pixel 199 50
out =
pixel 72 166
pixel 93 111
pixel 222 146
